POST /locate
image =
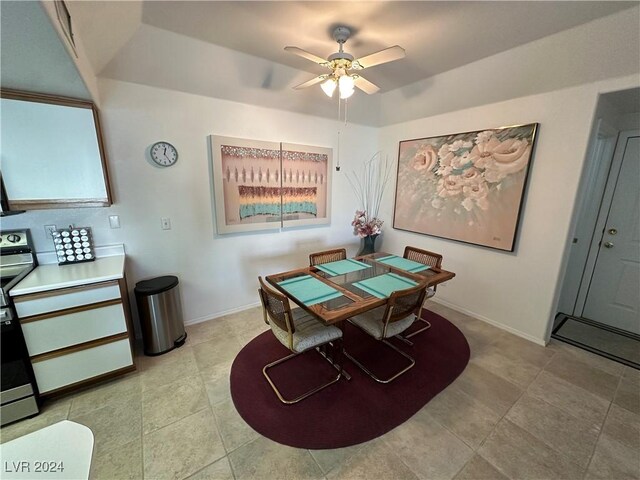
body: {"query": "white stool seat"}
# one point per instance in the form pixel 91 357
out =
pixel 66 448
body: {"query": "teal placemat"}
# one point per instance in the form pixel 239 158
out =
pixel 384 285
pixel 341 267
pixel 309 290
pixel 403 263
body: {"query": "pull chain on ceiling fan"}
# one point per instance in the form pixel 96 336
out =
pixel 343 65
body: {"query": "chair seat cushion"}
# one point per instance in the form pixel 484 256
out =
pixel 372 323
pixel 309 333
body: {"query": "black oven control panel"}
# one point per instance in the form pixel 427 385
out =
pixel 13 239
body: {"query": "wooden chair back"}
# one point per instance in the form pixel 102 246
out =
pixel 276 306
pixel 423 256
pixel 403 303
pixel 318 258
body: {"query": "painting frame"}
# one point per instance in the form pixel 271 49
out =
pixel 263 185
pixel 468 186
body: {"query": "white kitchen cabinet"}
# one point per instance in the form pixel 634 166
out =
pixel 67 298
pixel 76 323
pixel 53 153
pixel 72 368
pixel 67 329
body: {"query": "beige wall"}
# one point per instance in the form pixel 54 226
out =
pixel 517 290
pixel 218 274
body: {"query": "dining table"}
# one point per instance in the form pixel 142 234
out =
pixel 336 291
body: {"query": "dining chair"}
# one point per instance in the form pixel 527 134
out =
pixel 388 321
pixel 432 260
pixel 327 256
pixel 299 332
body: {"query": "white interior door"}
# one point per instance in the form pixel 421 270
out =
pixel 614 292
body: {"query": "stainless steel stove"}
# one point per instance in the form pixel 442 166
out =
pixel 19 393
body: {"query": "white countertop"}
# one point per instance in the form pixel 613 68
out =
pixel 54 276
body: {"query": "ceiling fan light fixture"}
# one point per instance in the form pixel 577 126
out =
pixel 344 94
pixel 345 86
pixel 342 66
pixel 328 86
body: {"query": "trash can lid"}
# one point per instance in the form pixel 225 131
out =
pixel 156 285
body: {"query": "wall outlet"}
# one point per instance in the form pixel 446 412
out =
pixel 49 229
pixel 165 223
pixel 114 221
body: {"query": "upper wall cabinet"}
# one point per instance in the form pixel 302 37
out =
pixel 51 152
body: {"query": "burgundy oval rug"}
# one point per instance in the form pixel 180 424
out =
pixel 347 412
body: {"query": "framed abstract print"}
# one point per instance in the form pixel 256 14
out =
pixel 267 185
pixel 467 186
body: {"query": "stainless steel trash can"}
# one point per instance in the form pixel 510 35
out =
pixel 160 310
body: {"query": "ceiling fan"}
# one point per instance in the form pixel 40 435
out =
pixel 342 65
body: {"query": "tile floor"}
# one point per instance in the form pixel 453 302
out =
pixel 518 411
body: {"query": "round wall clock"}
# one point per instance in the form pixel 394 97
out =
pixel 164 154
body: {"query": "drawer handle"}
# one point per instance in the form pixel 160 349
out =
pixel 68 311
pixel 81 346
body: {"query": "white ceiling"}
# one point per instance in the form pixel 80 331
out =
pixel 438 36
pixel 234 50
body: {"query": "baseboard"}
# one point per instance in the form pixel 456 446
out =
pixel 212 316
pixel 435 299
pixel 501 326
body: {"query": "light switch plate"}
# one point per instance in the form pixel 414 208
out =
pixel 114 221
pixel 166 223
pixel 49 229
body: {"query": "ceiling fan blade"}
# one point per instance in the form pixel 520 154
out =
pixel 309 56
pixel 383 56
pixel 365 85
pixel 311 82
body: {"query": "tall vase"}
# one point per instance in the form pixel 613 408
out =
pixel 368 245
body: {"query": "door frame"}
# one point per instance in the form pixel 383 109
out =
pixel 602 144
pixel 603 214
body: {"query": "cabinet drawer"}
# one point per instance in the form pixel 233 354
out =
pixel 53 333
pixel 38 303
pixel 57 372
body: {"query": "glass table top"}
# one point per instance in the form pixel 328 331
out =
pixel 348 280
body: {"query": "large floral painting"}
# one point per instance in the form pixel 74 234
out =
pixel 466 186
pixel 267 185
